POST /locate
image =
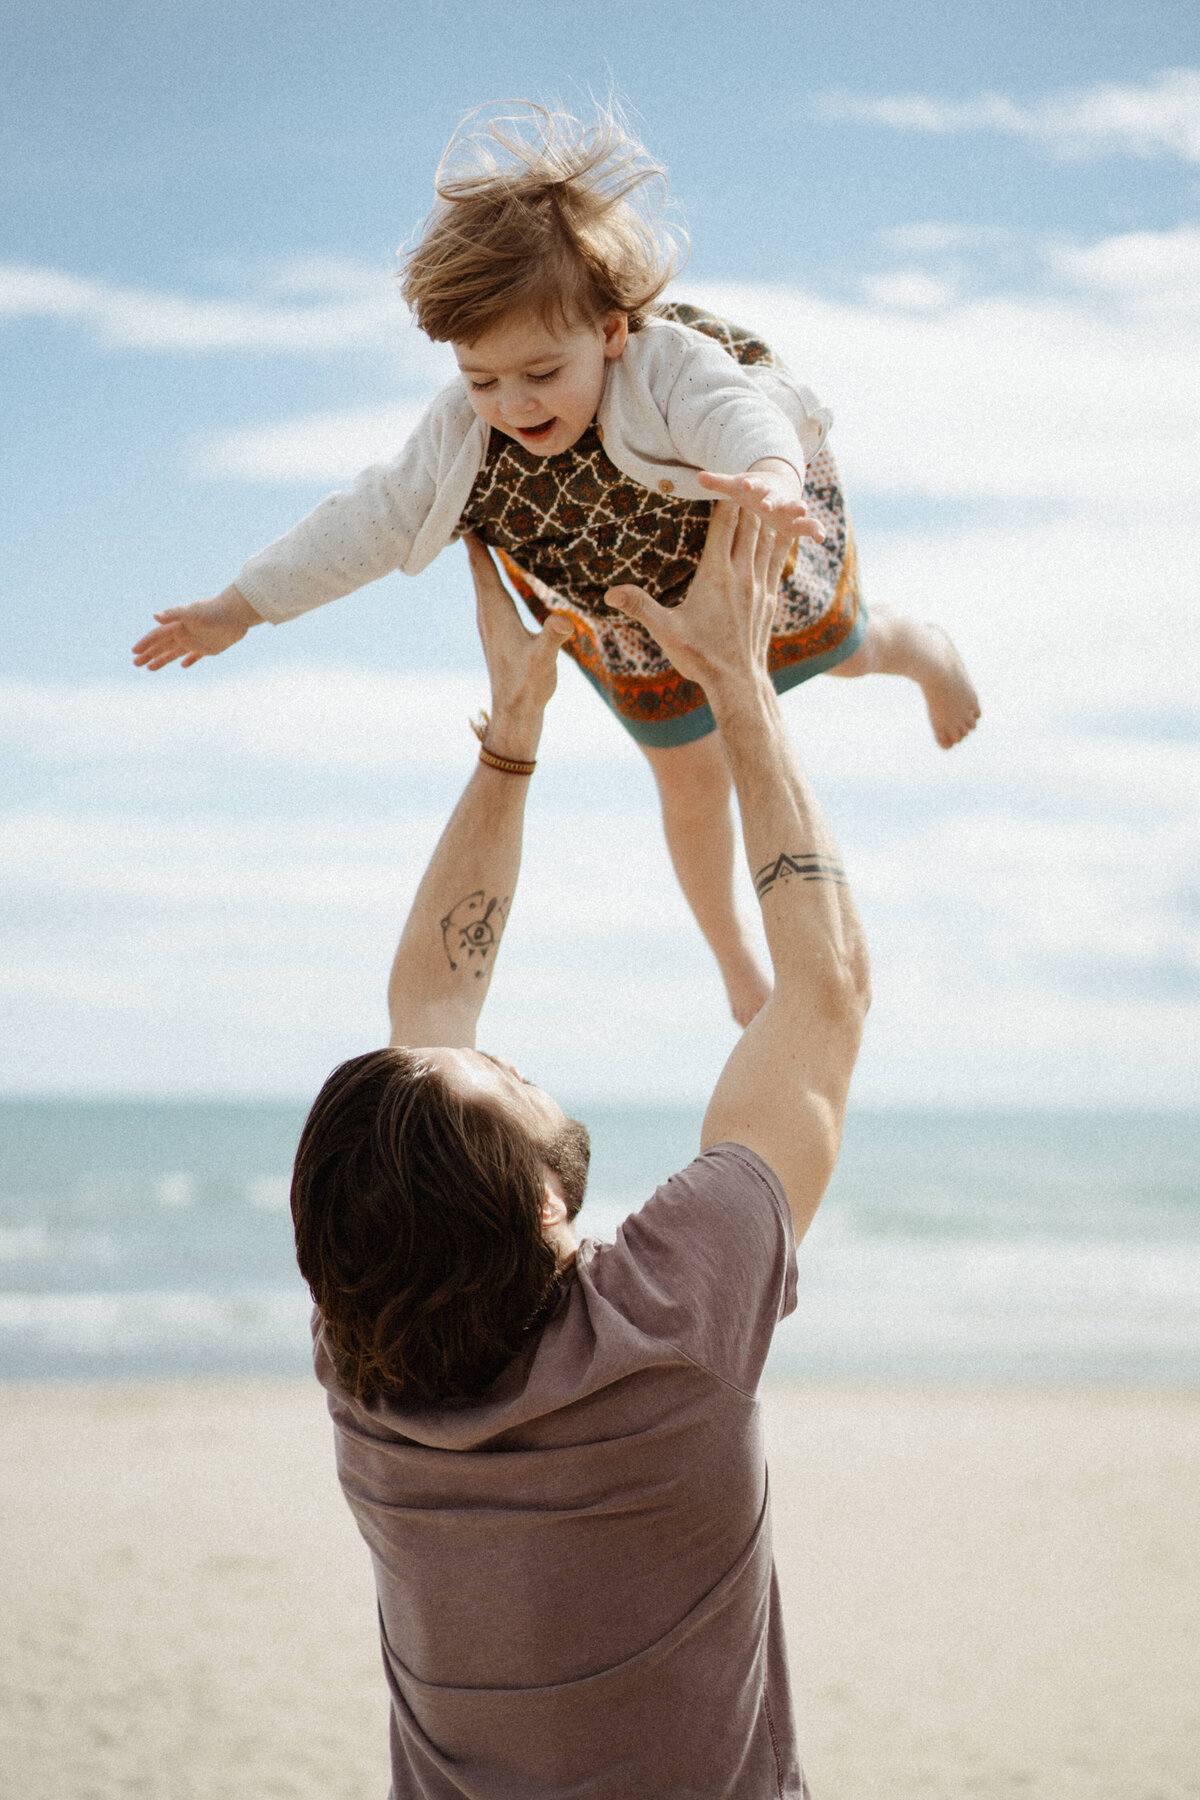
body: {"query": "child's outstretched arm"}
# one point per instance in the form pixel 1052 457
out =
pixel 397 515
pixel 774 490
pixel 203 629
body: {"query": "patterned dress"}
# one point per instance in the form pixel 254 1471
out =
pixel 569 527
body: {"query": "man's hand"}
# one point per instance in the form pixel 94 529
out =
pixel 774 491
pixel 522 665
pixel 190 632
pixel 720 631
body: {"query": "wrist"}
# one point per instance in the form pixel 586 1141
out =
pixel 779 465
pixel 740 694
pixel 514 732
pixel 237 609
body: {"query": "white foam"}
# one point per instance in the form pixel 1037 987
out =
pixel 149 1322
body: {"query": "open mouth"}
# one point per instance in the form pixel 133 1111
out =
pixel 534 432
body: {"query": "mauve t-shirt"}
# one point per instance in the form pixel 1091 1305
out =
pixel 577 1594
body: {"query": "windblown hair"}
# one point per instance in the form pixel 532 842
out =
pixel 546 212
pixel 418 1219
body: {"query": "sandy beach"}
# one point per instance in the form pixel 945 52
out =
pixel 988 1594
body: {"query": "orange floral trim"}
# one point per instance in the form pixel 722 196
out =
pixel 647 697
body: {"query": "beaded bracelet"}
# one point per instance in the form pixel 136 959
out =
pixel 508 765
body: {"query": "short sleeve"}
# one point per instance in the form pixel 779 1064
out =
pixel 708 1264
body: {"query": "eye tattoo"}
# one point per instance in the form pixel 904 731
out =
pixel 805 868
pixel 471 930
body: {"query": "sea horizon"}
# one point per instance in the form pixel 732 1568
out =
pixel 1052 1246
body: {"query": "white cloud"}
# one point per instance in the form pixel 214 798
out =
pixel 1159 270
pixel 1089 399
pixel 1030 899
pixel 302 717
pixel 1066 393
pixel 911 290
pixel 1156 118
pixel 330 446
pixel 355 307
pixel 1061 392
pixel 1082 612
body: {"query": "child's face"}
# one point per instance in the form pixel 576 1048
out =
pixel 540 384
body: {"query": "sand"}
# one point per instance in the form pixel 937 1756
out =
pixel 987 1593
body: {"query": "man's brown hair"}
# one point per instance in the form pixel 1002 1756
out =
pixel 418 1217
pixel 541 211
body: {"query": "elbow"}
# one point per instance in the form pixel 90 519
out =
pixel 847 990
pixel 856 1004
pixel 860 975
pixel 855 961
pixel 849 1026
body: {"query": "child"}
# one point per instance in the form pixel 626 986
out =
pixel 581 439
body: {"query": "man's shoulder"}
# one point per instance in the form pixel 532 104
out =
pixel 707 1264
pixel 713 1194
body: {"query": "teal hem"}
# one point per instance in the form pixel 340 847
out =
pixel 665 734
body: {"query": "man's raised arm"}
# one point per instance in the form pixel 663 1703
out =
pixel 444 962
pixel 783 1090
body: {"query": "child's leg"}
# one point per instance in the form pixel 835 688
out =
pixel 696 792
pixel 894 645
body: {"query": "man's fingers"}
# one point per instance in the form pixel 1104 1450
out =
pixel 746 533
pixel 637 605
pixel 780 551
pixel 634 602
pixel 721 528
pixel 546 644
pixel 558 628
pixel 770 553
pixel 490 591
pixel 484 572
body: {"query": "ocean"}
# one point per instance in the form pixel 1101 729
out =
pixel 153 1239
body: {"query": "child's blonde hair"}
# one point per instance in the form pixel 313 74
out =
pixel 546 212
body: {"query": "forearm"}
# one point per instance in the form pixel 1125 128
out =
pixel 345 542
pixel 812 925
pixel 443 965
pixel 352 537
pixel 783 1090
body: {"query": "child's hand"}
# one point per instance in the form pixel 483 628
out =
pixel 191 632
pixel 774 491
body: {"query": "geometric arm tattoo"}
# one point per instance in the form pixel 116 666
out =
pixel 471 930
pixel 803 868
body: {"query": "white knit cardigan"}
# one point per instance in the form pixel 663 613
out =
pixel 674 402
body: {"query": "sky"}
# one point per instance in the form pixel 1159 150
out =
pixel 974 232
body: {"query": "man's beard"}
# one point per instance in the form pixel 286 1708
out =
pixel 568 1153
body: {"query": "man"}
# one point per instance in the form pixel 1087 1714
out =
pixel 552 1448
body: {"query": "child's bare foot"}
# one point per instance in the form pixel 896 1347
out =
pixel 897 645
pixel 747 987
pixel 949 693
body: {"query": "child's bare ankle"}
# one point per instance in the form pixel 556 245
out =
pixel 950 696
